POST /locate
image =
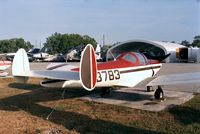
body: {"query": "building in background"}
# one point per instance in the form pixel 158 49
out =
pixel 147 47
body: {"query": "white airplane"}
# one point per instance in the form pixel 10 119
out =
pixel 75 54
pixel 127 70
pixel 42 56
pixel 37 54
pixel 8 56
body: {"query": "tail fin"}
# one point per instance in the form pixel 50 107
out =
pixel 88 68
pixel 20 64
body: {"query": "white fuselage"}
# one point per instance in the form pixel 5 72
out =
pixel 126 77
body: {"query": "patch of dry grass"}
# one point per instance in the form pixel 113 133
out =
pixel 24 108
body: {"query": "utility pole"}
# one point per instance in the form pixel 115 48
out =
pixel 35 43
pixel 40 44
pixel 103 39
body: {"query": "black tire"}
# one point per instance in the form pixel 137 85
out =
pixel 159 93
pixel 105 91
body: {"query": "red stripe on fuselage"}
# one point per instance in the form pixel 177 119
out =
pixel 57 66
pixel 122 63
pixel 115 64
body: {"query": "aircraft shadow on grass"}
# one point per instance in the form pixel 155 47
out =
pixel 70 120
pixel 115 95
pixel 128 96
pixel 185 115
pixel 76 121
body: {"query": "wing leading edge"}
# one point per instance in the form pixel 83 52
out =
pixel 183 78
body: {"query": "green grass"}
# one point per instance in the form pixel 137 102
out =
pixel 89 103
pixel 83 116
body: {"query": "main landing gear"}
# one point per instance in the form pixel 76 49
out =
pixel 158 94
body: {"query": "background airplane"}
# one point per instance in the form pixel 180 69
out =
pixel 75 53
pixel 4 64
pixel 127 70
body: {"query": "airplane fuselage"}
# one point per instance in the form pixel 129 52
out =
pixel 110 76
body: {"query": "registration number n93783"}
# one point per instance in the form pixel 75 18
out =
pixel 108 75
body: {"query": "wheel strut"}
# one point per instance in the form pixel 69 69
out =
pixel 159 93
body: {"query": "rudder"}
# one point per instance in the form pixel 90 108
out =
pixel 88 68
pixel 20 64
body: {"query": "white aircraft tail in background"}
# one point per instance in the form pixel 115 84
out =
pixel 98 52
pixel 20 65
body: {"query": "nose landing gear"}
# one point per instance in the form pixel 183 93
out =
pixel 158 94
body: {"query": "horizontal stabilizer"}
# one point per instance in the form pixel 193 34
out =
pixel 51 74
pixel 21 70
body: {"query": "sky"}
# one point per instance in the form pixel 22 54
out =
pixel 118 20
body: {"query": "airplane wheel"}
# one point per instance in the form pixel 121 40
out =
pixel 105 91
pixel 149 88
pixel 159 93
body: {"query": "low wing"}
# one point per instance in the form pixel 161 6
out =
pixel 183 78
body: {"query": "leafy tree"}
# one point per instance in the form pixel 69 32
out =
pixel 62 43
pixel 186 43
pixel 12 45
pixel 28 45
pixel 196 41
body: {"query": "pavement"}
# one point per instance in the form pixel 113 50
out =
pixel 138 98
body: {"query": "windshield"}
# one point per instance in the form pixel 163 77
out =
pixel 130 58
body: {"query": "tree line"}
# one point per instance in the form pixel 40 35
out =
pixel 56 43
pixel 12 45
pixel 195 43
pixel 62 43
